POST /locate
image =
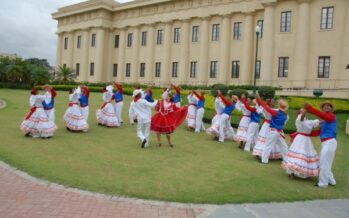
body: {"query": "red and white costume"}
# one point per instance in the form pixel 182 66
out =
pixel 73 118
pixel 49 108
pixel 106 115
pixel 302 159
pixel 37 122
pixel 192 110
pixel 168 117
pixel 241 133
pixel 262 137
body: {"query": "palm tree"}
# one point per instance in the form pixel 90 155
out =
pixel 39 75
pixel 65 74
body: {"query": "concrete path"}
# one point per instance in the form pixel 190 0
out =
pixel 24 196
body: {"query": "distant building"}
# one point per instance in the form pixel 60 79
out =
pixel 303 44
pixel 9 55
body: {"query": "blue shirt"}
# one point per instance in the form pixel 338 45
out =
pixel 328 130
pixel 201 103
pixel 229 109
pixel 177 98
pixel 278 122
pixel 118 96
pixel 149 97
pixel 255 117
pixel 83 100
pixel 50 105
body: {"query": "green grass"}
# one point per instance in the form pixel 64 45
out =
pixel 197 170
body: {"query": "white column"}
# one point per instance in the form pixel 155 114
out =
pixel 202 75
pixel 267 51
pixel 343 75
pixel 121 60
pixel 301 63
pixel 99 65
pixel 70 50
pixel 109 58
pixel 224 72
pixel 59 50
pixel 166 65
pixel 135 56
pixel 247 50
pixel 149 66
pixel 85 61
pixel 183 75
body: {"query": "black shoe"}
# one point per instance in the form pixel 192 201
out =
pixel 171 145
pixel 27 134
pixel 143 143
pixel 159 145
pixel 68 129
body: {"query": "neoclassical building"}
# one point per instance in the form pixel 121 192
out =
pixel 301 43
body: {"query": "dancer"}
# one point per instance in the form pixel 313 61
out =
pixel 168 118
pixel 142 109
pixel 49 103
pixel 253 127
pixel 177 97
pixel 224 119
pixel 199 124
pixel 148 95
pixel 276 135
pixel 106 115
pixel 36 123
pixel 119 102
pixel 192 110
pixel 241 134
pixel 328 137
pixel 219 108
pixel 262 136
pixel 74 120
pixel 84 97
pixel 302 159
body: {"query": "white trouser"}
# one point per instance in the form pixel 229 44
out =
pixel 178 104
pixel 328 150
pixel 274 138
pixel 132 116
pixel 199 125
pixel 51 114
pixel 118 110
pixel 223 123
pixel 143 131
pixel 84 112
pixel 252 135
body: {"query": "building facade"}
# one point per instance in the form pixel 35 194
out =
pixel 302 44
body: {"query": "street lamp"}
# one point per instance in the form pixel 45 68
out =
pixel 258 30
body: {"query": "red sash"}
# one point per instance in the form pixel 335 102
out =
pixel 71 104
pixel 32 110
pixel 312 134
pixel 105 104
pixel 267 121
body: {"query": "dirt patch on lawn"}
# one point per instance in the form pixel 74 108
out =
pixel 2 104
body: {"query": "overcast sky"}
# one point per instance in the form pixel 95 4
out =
pixel 27 29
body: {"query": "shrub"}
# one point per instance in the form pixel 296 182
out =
pixel 266 92
pixel 223 88
pixel 238 92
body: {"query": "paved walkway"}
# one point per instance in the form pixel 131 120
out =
pixel 24 196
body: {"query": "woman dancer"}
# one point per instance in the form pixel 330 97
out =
pixel 106 115
pixel 84 96
pixel 199 124
pixel 167 118
pixel 73 119
pixel 36 123
pixel 192 110
pixel 302 159
pixel 241 134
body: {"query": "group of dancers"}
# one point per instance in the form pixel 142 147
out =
pixel 267 142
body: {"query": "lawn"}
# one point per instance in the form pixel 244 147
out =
pixel 196 170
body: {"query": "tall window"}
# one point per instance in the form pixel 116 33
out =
pixel 283 67
pixel 66 43
pixel 77 69
pixel 215 32
pixel 93 40
pixel 260 23
pixel 175 69
pixel 116 41
pixel 128 70
pixel 258 69
pixel 64 65
pixel 327 18
pixel 195 34
pixel 177 35
pixel 78 43
pixel 213 69
pixel 157 69
pixel 159 37
pixel 237 30
pixel 285 24
pixel 129 39
pixel 142 70
pixel 92 69
pixel 324 67
pixel 115 70
pixel 235 69
pixel 193 65
pixel 144 39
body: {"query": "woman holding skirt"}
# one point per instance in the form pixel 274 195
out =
pixel 106 115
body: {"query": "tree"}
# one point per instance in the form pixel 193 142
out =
pixel 65 74
pixel 39 75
